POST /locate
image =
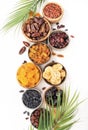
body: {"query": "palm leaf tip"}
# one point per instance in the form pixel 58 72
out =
pixel 21 13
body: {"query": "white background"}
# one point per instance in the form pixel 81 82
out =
pixel 75 60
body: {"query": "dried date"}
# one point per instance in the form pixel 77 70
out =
pixel 22 50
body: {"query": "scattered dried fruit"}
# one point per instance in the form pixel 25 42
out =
pixel 22 50
pixel 26 43
pixel 24 62
pixel 60 55
pixel 53 53
pixel 43 88
pixel 21 91
pixel 60 26
pixel 72 36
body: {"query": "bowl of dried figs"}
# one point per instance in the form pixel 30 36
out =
pixel 58 39
pixel 29 75
pixel 53 12
pixel 54 73
pixel 39 53
pixel 36 29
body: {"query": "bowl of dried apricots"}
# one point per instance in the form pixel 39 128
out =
pixel 39 53
pixel 54 73
pixel 29 75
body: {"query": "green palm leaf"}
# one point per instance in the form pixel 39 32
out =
pixel 63 116
pixel 21 13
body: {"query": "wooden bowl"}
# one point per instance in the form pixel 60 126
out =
pixel 29 75
pixel 65 41
pixel 53 20
pixel 48 80
pixel 41 55
pixel 41 38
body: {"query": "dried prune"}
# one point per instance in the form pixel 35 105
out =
pixel 51 96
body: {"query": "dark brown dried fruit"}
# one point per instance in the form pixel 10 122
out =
pixel 60 26
pixel 22 50
pixel 21 91
pixel 36 28
pixel 26 43
pixel 27 118
pixel 72 36
pixel 60 55
pixel 66 29
pixel 24 62
pixel 53 53
pixel 35 116
pixel 43 88
pixel 58 39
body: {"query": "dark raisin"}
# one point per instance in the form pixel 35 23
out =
pixel 31 98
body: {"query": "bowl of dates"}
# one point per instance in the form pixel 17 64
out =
pixel 36 29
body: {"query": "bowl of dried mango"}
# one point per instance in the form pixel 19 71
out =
pixel 29 75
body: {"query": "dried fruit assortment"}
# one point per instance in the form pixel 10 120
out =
pixel 54 74
pixel 39 53
pixel 38 29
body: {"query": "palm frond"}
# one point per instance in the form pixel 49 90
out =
pixel 63 116
pixel 21 13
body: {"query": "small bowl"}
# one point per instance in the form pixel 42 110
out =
pixel 53 19
pixel 58 39
pixel 32 98
pixel 35 118
pixel 37 38
pixel 54 73
pixel 51 96
pixel 29 75
pixel 39 53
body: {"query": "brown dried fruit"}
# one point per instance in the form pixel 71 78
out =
pixel 60 55
pixel 72 36
pixel 36 28
pixel 26 43
pixel 22 50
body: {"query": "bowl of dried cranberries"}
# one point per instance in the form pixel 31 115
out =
pixel 58 39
